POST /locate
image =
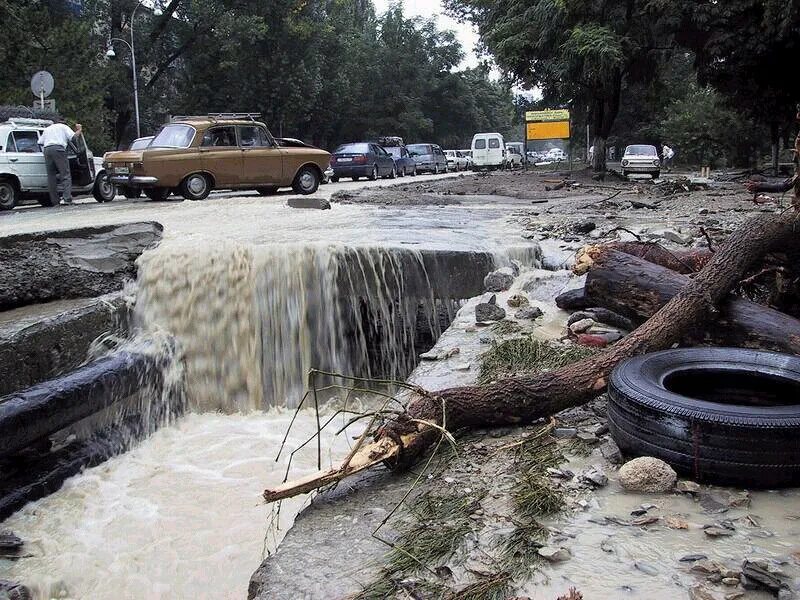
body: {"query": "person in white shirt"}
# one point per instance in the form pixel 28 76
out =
pixel 668 154
pixel 55 139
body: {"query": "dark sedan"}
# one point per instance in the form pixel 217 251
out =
pixel 362 160
pixel 404 163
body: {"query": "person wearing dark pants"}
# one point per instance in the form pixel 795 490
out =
pixel 55 139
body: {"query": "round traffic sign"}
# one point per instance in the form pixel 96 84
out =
pixel 42 83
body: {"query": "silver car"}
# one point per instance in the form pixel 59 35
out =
pixel 641 159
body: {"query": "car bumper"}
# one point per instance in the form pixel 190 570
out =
pixel 352 170
pixel 641 168
pixel 133 180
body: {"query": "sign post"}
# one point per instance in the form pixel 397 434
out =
pixel 42 84
pixel 547 125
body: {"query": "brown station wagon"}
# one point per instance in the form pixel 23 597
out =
pixel 191 156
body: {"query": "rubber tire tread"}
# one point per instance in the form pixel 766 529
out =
pixel 710 442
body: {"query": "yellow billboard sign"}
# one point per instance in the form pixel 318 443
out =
pixel 555 130
pixel 546 116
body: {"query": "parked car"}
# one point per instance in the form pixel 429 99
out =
pixel 468 155
pixel 517 147
pixel 286 142
pixel 555 155
pixel 641 159
pixel 22 170
pixel 195 155
pixel 429 158
pixel 514 159
pixel 456 161
pixel 362 159
pixel 488 151
pixel 404 163
pixel 141 143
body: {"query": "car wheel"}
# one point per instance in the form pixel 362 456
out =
pixel 306 181
pixel 436 169
pixel 374 175
pixel 722 415
pixel 8 194
pixel 414 172
pixel 157 194
pixel 196 186
pixel 401 172
pixel 335 179
pixel 131 193
pixel 393 174
pixel 103 190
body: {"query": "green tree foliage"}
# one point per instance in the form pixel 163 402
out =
pixel 326 71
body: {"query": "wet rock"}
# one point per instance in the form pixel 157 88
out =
pixel 9 541
pixel 518 300
pixel 11 590
pixel 676 522
pixel 584 227
pixel 676 238
pixel 560 473
pixel 715 532
pixel 611 452
pixel 489 311
pixel 705 567
pixel 594 476
pixel 554 555
pixel 738 595
pixel 703 592
pixel 598 429
pixel 646 568
pixel 731 581
pixel 529 312
pixel 598 340
pixel 647 474
pixel 692 557
pixel 581 326
pixel 587 437
pixel 687 487
pixel 498 281
pixel 757 577
pixel 713 504
pixel 309 202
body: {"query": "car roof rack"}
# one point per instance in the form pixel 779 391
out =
pixel 218 116
pixel 29 121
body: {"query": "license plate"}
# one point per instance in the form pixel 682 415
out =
pixel 345 160
pixel 121 170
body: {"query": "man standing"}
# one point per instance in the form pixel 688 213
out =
pixel 55 139
pixel 668 154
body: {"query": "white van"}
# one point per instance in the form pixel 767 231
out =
pixel 488 151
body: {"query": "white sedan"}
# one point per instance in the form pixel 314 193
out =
pixel 456 161
pixel 641 159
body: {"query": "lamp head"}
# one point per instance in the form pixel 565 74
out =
pixel 110 52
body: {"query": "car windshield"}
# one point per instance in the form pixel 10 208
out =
pixel 397 152
pixel 174 136
pixel 419 149
pixel 355 148
pixel 641 150
pixel 141 143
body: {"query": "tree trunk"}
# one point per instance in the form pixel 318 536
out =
pixel 680 261
pixel 521 400
pixel 637 288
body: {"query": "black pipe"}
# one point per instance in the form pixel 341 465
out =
pixel 46 408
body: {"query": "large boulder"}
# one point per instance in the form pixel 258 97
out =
pixel 647 474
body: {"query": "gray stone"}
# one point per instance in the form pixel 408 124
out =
pixel 309 202
pixel 584 227
pixel 553 554
pixel 692 557
pixel 581 326
pixel 529 312
pixel 687 487
pixel 702 592
pixel 565 432
pixel 518 300
pixel 714 532
pixel 611 452
pixel 594 475
pixel 647 474
pixel 587 437
pixel 646 568
pixel 489 312
pixel 498 281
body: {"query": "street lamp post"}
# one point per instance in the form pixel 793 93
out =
pixel 110 54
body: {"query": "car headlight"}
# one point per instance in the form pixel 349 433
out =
pixel 656 163
pixel 625 163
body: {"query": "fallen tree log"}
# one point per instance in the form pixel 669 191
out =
pixel 638 288
pixel 520 400
pixel 680 260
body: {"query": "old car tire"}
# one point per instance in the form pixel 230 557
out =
pixel 8 194
pixel 374 175
pixel 103 190
pixel 740 426
pixel 306 181
pixel 157 194
pixel 196 186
